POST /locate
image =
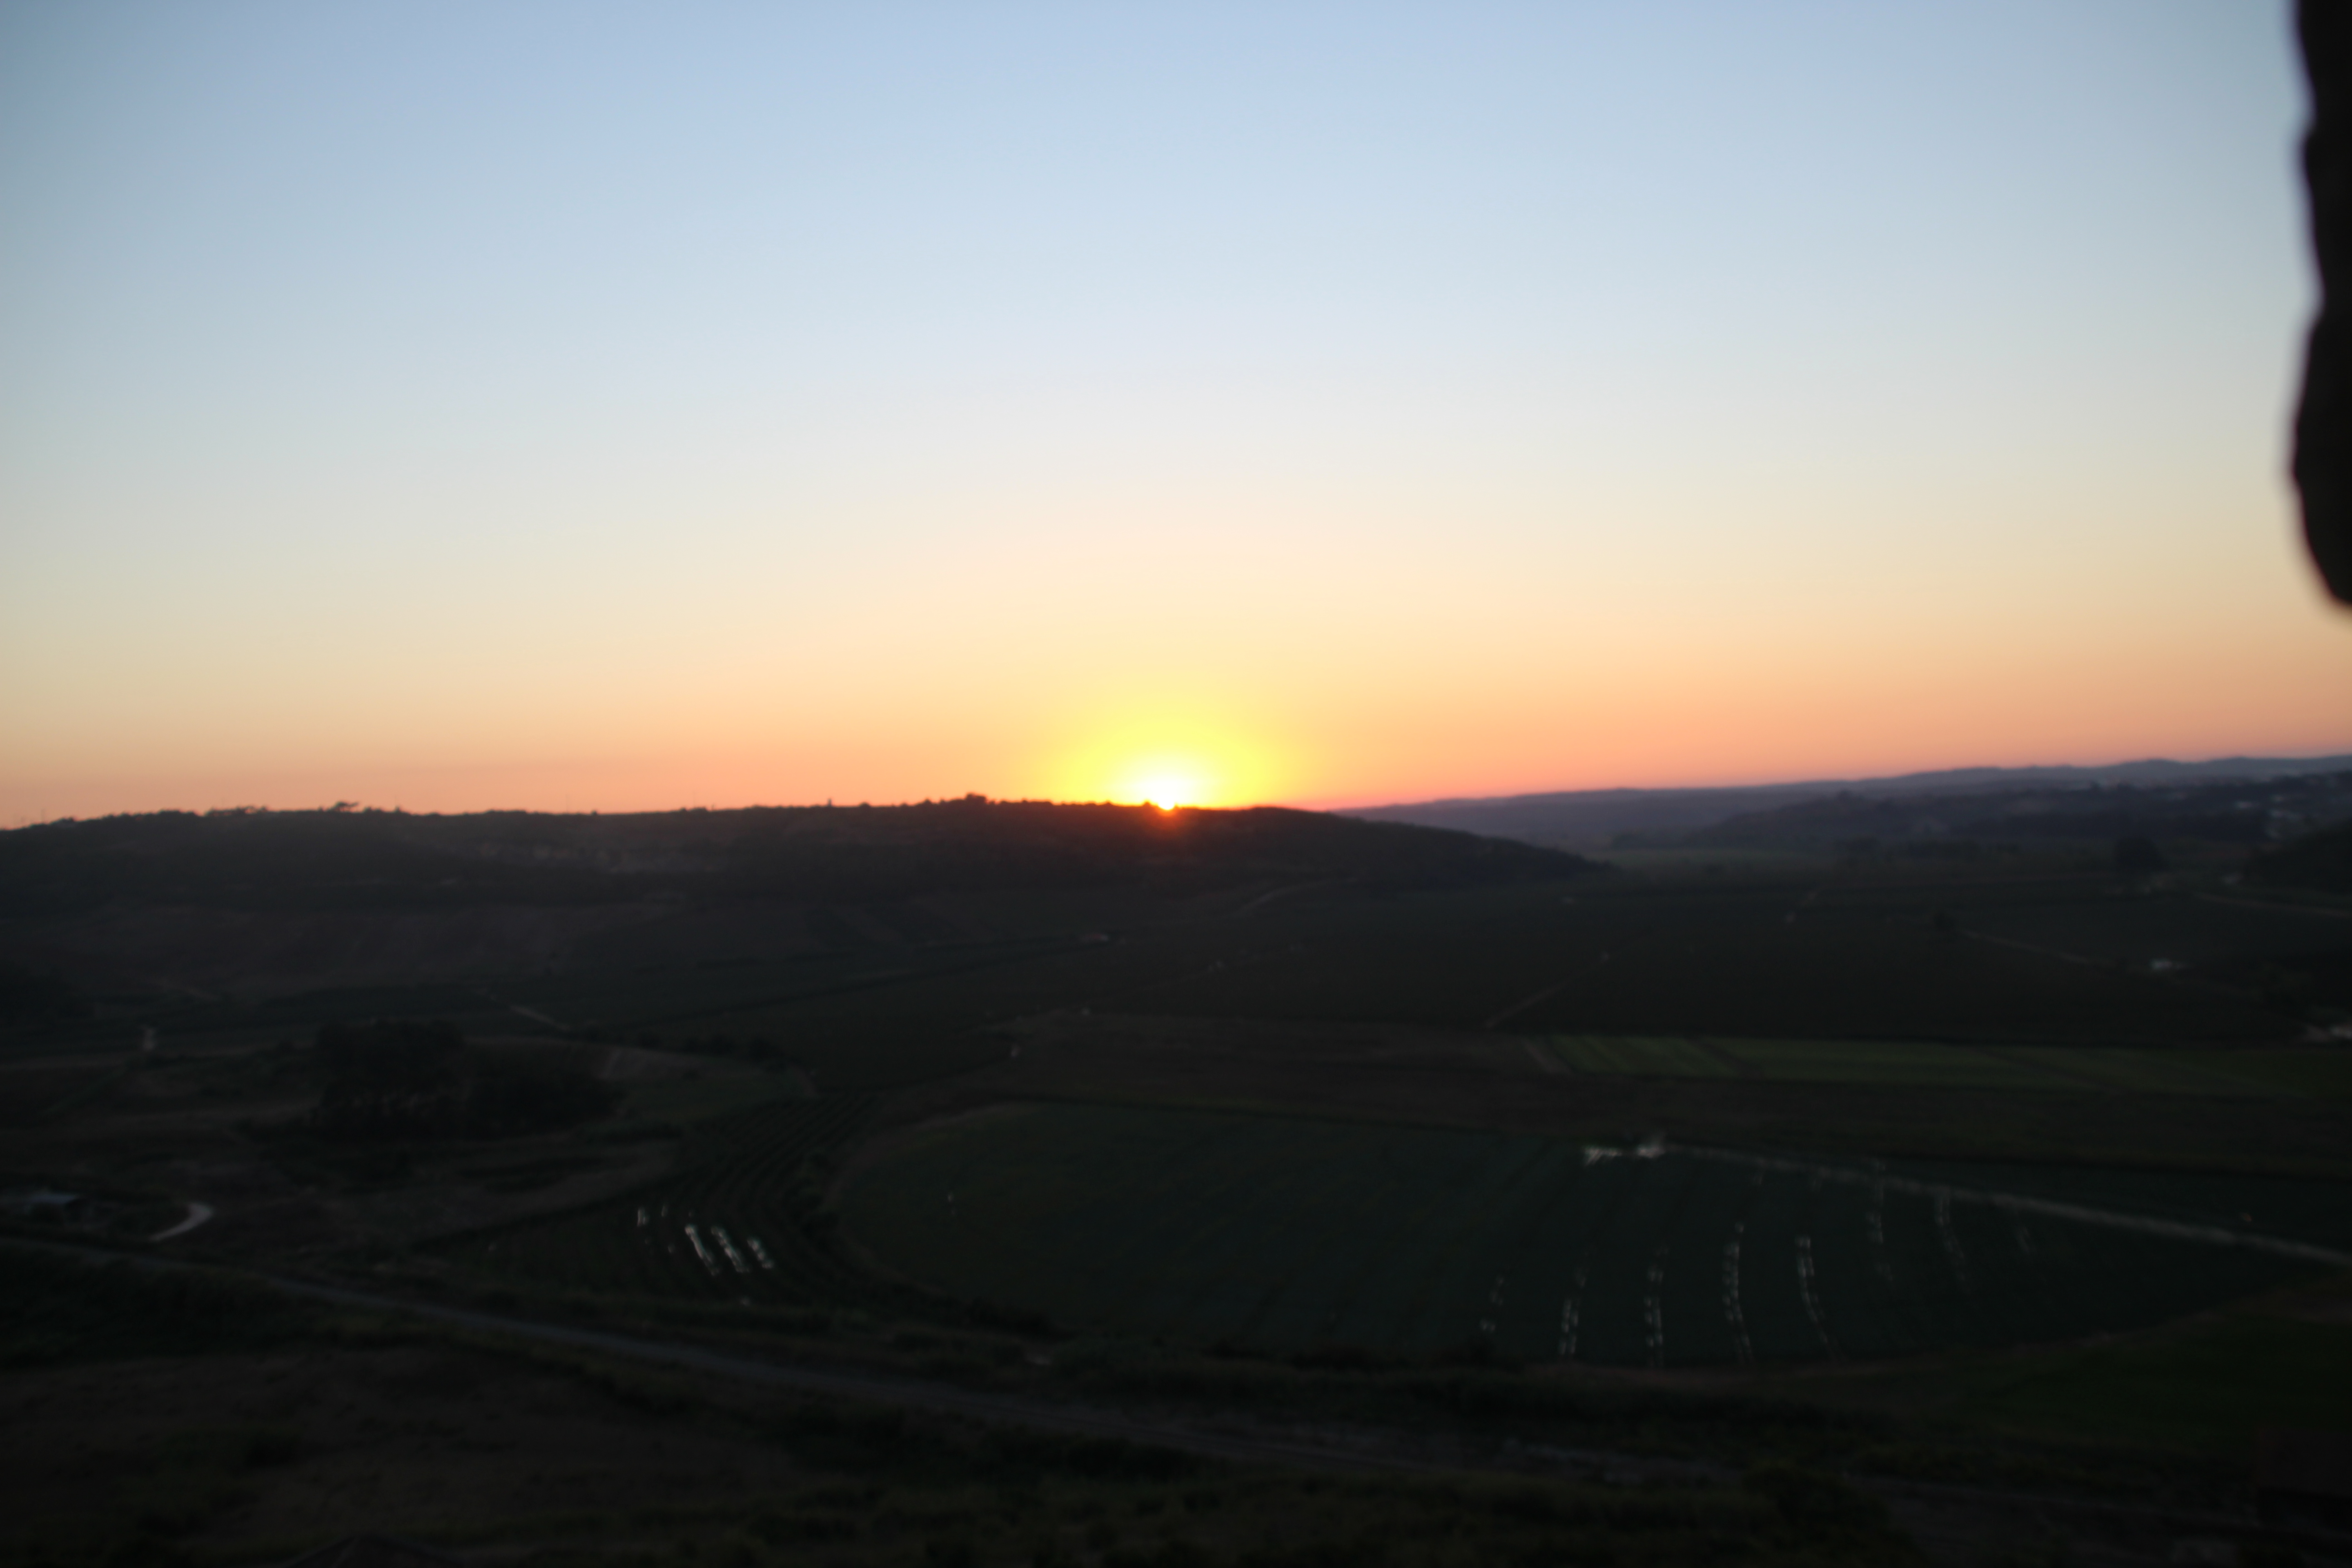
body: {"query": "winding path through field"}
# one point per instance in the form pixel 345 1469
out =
pixel 198 1215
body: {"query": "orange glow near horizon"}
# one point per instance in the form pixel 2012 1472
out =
pixel 946 455
pixel 1169 781
pixel 1393 728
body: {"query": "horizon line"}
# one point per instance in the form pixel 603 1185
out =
pixel 1331 807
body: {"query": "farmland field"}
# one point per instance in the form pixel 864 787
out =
pixel 2178 928
pixel 2162 1072
pixel 1634 1057
pixel 1198 1122
pixel 1856 1061
pixel 1924 1063
pixel 731 1227
pixel 2325 1073
pixel 1282 1235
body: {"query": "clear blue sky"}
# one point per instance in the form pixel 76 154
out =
pixel 595 405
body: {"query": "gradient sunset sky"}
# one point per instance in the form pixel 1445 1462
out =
pixel 577 405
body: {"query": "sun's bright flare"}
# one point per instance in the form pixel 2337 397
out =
pixel 1167 780
pixel 1170 762
pixel 1168 792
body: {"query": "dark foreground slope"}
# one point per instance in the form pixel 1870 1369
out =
pixel 1251 1121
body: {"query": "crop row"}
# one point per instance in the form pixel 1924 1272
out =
pixel 1287 1235
pixel 740 1221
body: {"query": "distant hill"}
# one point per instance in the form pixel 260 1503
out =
pixel 1592 818
pixel 2246 812
pixel 372 859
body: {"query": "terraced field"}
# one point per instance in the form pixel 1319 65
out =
pixel 734 1226
pixel 1287 1234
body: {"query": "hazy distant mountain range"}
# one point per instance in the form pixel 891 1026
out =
pixel 1593 817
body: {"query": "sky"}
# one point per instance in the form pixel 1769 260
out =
pixel 627 406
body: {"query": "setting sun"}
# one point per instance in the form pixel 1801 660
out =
pixel 1168 752
pixel 1166 781
pixel 1168 794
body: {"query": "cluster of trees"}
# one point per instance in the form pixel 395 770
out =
pixel 401 1078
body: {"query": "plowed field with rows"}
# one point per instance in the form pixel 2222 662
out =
pixel 1287 1234
pixel 734 1224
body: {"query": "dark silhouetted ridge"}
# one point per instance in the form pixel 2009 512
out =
pixel 345 858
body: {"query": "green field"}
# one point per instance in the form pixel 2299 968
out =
pixel 1284 1235
pixel 1633 1057
pixel 1916 1064
pixel 2322 1072
pixel 1921 1064
pixel 2178 928
pixel 2160 1072
pixel 2214 1388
